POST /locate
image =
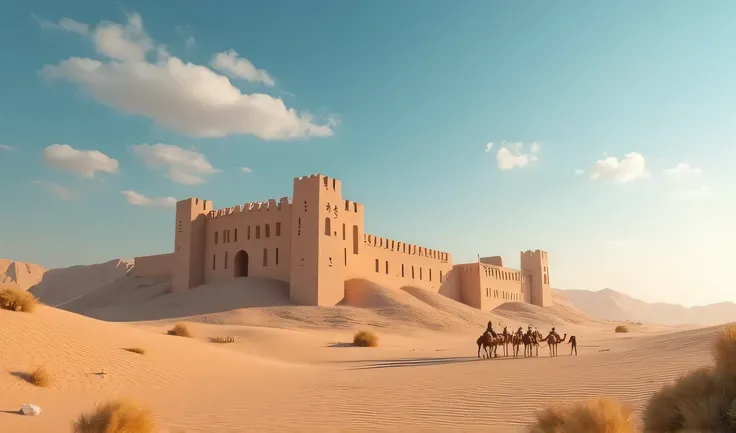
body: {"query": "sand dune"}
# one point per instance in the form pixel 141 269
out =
pixel 65 284
pixel 300 379
pixel 293 369
pixel 609 304
pixel 19 275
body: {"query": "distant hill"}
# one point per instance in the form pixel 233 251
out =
pixel 19 275
pixel 608 304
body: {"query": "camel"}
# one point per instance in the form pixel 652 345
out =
pixel 505 338
pixel 516 341
pixel 488 344
pixel 529 341
pixel 574 345
pixel 552 341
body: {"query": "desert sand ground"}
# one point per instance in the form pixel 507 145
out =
pixel 293 369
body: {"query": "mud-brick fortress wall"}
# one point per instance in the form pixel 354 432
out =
pixel 317 242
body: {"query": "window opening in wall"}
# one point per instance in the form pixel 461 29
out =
pixel 180 227
pixel 299 226
pixel 236 235
pixel 268 230
pixel 277 256
pixel 325 183
pixel 430 275
pixel 334 184
pixel 278 229
pixel 258 232
pixel 225 260
pixel 214 261
pixel 345 254
pixel 402 269
pixel 247 233
pixel 355 239
pixel 216 237
pixel 328 231
pixel 412 272
pixel 343 231
pixel 386 267
pixel 440 276
pixel 305 205
pixel 265 257
pixel 420 272
pixel 376 265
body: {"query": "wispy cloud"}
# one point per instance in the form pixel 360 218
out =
pixel 138 199
pixel 66 24
pixel 686 182
pixel 631 167
pixel 231 64
pixel 6 147
pixel 183 166
pixel 246 170
pixel 56 189
pixel 84 162
pixel 512 155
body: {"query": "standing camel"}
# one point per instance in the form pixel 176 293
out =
pixel 505 337
pixel 516 342
pixel 552 341
pixel 574 345
pixel 488 344
pixel 530 340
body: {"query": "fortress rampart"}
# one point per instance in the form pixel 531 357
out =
pixel 316 241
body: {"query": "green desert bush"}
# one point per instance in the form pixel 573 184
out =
pixel 365 339
pixel 703 400
pixel 602 415
pixel 17 300
pixel 622 329
pixel 122 416
pixel 180 330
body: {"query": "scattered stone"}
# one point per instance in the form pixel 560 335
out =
pixel 30 409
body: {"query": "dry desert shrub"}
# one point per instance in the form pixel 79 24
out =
pixel 702 400
pixel 180 330
pixel 17 300
pixel 365 339
pixel 40 377
pixel 602 415
pixel 622 329
pixel 222 339
pixel 116 417
pixel 137 350
pixel 724 351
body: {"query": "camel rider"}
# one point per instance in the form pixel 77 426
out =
pixel 489 329
pixel 557 336
pixel 529 331
pixel 520 332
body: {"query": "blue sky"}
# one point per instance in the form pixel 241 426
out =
pixel 612 127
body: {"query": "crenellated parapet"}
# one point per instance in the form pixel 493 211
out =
pixel 405 248
pixel 259 206
pixel 353 206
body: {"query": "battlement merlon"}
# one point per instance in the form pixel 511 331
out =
pixel 406 248
pixel 258 206
pixel 195 204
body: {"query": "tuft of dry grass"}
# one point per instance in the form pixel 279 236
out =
pixel 622 329
pixel 702 400
pixel 39 377
pixel 365 339
pixel 603 415
pixel 222 339
pixel 17 300
pixel 137 350
pixel 180 330
pixel 122 416
pixel 724 351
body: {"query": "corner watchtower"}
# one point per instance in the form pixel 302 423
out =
pixel 535 267
pixel 317 265
pixel 189 243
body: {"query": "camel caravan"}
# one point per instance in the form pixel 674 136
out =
pixel 490 341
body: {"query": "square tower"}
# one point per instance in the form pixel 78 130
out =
pixel 189 243
pixel 535 269
pixel 317 267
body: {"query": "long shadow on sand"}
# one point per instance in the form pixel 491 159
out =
pixel 22 375
pixel 12 412
pixel 423 362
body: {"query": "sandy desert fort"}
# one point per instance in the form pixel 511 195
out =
pixel 317 241
pixel 287 284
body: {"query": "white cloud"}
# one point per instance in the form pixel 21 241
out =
pixel 246 170
pixel 138 199
pixel 190 42
pixel 187 167
pixel 687 182
pixel 512 155
pixel 630 168
pixel 489 147
pixel 66 24
pixel 84 162
pixel 185 97
pixel 5 147
pixel 56 189
pixel 579 172
pixel 234 66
